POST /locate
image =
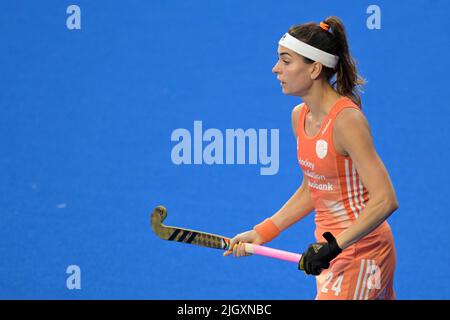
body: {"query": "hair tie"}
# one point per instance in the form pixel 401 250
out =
pixel 324 26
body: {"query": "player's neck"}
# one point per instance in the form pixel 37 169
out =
pixel 320 100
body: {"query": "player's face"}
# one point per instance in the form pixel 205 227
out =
pixel 292 72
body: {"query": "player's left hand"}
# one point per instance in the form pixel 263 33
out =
pixel 319 255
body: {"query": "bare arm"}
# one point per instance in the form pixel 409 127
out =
pixel 299 204
pixel 352 133
pixel 296 208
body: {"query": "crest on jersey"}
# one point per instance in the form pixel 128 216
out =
pixel 321 148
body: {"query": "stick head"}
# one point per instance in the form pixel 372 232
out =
pixel 158 216
pixel 184 235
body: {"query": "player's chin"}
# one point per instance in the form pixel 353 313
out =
pixel 292 92
pixel 287 92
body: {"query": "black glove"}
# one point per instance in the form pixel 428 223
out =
pixel 319 255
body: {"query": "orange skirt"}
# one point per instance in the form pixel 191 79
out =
pixel 363 271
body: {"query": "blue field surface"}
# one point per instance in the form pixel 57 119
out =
pixel 86 123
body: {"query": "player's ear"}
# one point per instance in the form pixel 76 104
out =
pixel 315 70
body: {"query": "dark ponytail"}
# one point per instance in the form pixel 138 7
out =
pixel 348 82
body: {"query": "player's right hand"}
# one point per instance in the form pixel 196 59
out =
pixel 237 247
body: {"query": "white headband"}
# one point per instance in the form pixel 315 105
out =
pixel 308 51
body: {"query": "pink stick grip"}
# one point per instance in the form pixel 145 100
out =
pixel 272 253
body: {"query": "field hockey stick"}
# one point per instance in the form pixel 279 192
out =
pixel 210 240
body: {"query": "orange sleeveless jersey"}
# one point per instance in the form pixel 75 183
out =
pixel 364 270
pixel 338 193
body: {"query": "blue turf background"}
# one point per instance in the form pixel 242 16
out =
pixel 85 126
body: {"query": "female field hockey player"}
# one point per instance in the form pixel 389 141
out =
pixel 344 180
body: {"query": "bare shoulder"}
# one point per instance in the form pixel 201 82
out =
pixel 350 128
pixel 350 118
pixel 295 115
